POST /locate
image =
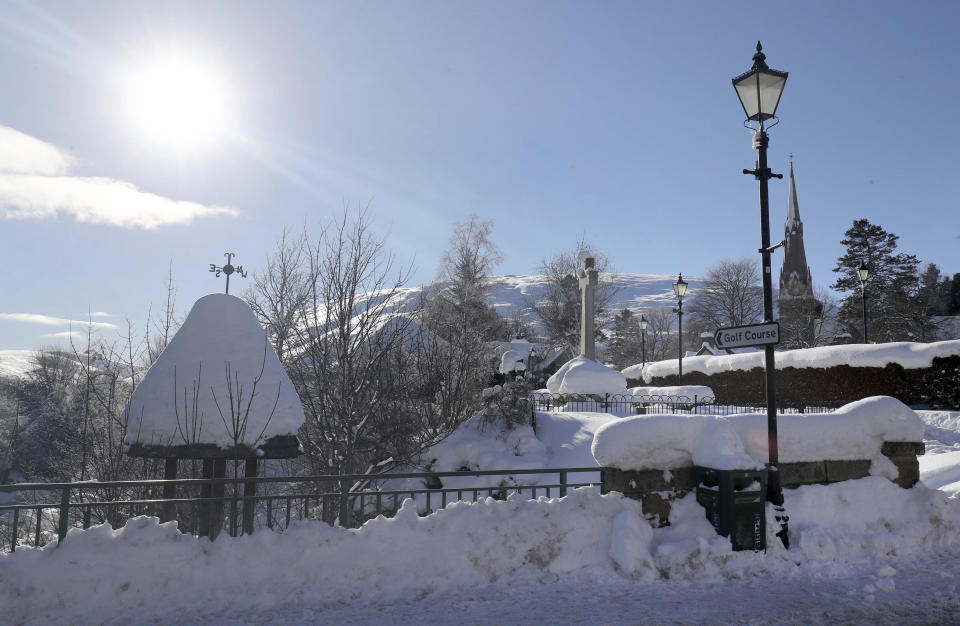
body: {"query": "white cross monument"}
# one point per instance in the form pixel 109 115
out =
pixel 588 287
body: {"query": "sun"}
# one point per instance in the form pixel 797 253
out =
pixel 179 101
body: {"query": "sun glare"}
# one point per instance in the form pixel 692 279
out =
pixel 180 102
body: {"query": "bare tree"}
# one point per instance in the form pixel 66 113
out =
pixel 729 296
pixel 160 332
pixel 558 310
pixel 234 410
pixel 345 336
pixel 811 322
pixel 280 292
pixel 662 342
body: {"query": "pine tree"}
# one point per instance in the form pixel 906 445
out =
pixel 890 290
pixel 624 348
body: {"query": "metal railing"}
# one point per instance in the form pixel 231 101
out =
pixel 626 404
pixel 347 500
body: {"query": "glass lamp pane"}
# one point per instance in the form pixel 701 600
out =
pixel 771 87
pixel 747 92
pixel 680 287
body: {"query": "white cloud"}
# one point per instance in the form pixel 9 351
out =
pixel 101 314
pixel 22 154
pixel 35 184
pixel 67 334
pixel 94 200
pixel 47 320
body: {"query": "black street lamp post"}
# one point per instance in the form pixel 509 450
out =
pixel 680 289
pixel 862 273
pixel 643 339
pixel 759 90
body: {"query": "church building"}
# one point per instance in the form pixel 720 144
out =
pixel 798 307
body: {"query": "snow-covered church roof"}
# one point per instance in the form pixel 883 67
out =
pixel 217 389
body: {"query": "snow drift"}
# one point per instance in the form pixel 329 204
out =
pixel 583 375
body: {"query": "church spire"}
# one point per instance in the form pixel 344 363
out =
pixel 793 209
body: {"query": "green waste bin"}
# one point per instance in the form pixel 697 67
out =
pixel 735 503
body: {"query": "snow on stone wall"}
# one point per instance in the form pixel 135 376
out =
pixel 855 431
pixel 909 355
pixel 177 401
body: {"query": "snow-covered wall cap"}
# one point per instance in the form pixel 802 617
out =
pixel 583 375
pixel 856 431
pixel 907 354
pixel 220 356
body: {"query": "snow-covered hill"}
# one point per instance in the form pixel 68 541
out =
pixel 511 296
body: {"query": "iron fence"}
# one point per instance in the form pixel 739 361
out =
pixel 627 404
pixel 44 511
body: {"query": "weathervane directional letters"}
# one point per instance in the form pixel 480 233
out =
pixel 228 269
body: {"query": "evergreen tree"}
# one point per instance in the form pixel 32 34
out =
pixel 624 347
pixel 891 290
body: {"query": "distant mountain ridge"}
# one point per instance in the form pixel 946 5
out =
pixel 509 295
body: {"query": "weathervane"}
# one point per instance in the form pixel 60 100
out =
pixel 228 269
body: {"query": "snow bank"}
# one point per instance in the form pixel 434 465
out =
pixel 940 466
pixel 941 471
pixel 221 360
pixel 583 375
pixel 513 361
pixel 855 431
pixel 562 440
pixel 149 572
pixel 685 391
pixel 907 354
pixel 472 446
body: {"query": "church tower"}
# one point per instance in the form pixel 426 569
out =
pixel 798 307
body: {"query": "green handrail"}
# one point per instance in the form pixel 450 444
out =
pixel 344 488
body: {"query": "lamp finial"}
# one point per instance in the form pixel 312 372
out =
pixel 759 59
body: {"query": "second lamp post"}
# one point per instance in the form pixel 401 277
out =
pixel 862 273
pixel 680 289
pixel 643 338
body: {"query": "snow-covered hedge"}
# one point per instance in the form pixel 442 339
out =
pixel 907 355
pixel 855 432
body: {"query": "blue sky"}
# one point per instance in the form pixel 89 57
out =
pixel 614 120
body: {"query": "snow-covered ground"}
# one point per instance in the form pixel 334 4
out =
pixel 940 466
pixel 862 552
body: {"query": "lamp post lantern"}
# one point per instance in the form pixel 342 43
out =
pixel 643 339
pixel 759 90
pixel 862 273
pixel 680 289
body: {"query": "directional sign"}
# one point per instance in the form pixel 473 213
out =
pixel 745 336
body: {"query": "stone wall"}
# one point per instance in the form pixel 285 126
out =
pixel 656 489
